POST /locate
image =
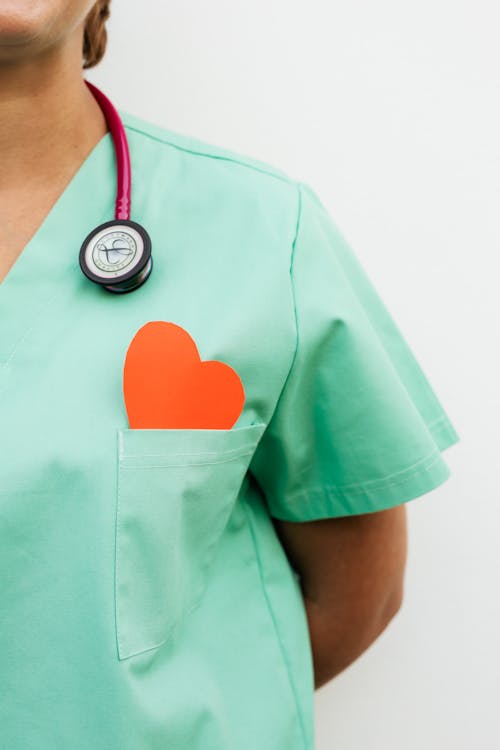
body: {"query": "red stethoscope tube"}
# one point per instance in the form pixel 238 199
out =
pixel 123 170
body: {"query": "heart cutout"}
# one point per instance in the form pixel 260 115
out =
pixel 166 385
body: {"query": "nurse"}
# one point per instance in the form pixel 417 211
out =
pixel 203 477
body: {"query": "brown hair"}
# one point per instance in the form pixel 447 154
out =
pixel 95 36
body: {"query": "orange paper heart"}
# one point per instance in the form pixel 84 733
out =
pixel 167 386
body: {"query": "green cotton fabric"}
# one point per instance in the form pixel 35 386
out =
pixel 146 601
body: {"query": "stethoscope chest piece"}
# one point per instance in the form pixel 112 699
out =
pixel 117 255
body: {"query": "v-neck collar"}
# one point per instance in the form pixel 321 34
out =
pixel 40 271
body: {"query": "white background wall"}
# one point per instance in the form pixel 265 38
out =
pixel 390 110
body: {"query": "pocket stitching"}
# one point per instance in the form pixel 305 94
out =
pixel 227 452
pixel 224 460
pixel 165 640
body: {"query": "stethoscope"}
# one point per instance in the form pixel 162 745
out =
pixel 117 255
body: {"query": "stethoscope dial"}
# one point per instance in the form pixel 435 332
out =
pixel 117 255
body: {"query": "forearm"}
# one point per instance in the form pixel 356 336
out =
pixel 339 636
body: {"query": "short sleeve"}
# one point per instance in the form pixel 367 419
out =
pixel 357 427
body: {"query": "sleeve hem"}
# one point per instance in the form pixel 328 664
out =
pixel 309 504
pixel 443 432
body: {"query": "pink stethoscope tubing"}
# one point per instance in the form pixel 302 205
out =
pixel 122 154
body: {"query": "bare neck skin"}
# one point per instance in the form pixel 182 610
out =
pixel 49 123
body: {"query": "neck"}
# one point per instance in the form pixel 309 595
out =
pixel 49 120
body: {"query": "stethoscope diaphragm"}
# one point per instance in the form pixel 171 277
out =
pixel 117 255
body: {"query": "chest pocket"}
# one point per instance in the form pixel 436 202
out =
pixel 175 492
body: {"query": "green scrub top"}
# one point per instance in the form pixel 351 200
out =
pixel 146 602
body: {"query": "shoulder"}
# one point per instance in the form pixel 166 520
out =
pixel 204 150
pixel 236 170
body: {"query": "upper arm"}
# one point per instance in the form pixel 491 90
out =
pixel 357 559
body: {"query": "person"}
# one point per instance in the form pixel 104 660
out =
pixel 185 587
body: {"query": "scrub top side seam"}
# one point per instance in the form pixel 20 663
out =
pixel 282 649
